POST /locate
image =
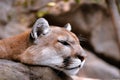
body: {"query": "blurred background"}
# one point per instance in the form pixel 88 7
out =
pixel 95 22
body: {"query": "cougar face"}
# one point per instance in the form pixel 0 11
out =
pixel 54 47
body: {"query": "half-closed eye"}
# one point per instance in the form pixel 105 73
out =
pixel 64 42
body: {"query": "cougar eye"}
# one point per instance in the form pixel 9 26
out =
pixel 64 42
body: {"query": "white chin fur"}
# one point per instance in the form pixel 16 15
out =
pixel 76 70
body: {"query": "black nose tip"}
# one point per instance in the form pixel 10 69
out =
pixel 82 57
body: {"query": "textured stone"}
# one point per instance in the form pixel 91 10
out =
pixel 13 71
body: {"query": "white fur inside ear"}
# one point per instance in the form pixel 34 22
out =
pixel 68 27
pixel 41 26
pixel 46 30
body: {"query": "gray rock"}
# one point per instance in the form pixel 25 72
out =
pixel 10 70
pixel 104 41
pixel 13 71
pixel 6 10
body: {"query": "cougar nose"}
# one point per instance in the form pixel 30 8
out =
pixel 82 56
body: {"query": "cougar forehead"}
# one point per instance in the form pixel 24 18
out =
pixel 55 34
pixel 63 34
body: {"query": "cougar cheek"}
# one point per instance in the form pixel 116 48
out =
pixel 48 57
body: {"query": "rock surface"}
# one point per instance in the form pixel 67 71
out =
pixel 13 71
pixel 10 70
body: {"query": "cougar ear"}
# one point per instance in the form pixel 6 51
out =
pixel 68 27
pixel 41 27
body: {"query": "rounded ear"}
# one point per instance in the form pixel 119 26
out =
pixel 68 27
pixel 41 27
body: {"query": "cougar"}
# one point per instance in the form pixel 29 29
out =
pixel 44 45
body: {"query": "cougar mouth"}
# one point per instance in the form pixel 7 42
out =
pixel 66 68
pixel 73 67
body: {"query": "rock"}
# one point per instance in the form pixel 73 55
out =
pixel 12 21
pixel 6 10
pixel 103 39
pixel 13 28
pixel 10 70
pixel 18 15
pixel 97 68
pixel 13 71
pixel 61 7
pixel 45 73
pixel 84 19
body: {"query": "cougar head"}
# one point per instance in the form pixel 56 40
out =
pixel 55 47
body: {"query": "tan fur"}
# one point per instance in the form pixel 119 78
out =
pixel 11 47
